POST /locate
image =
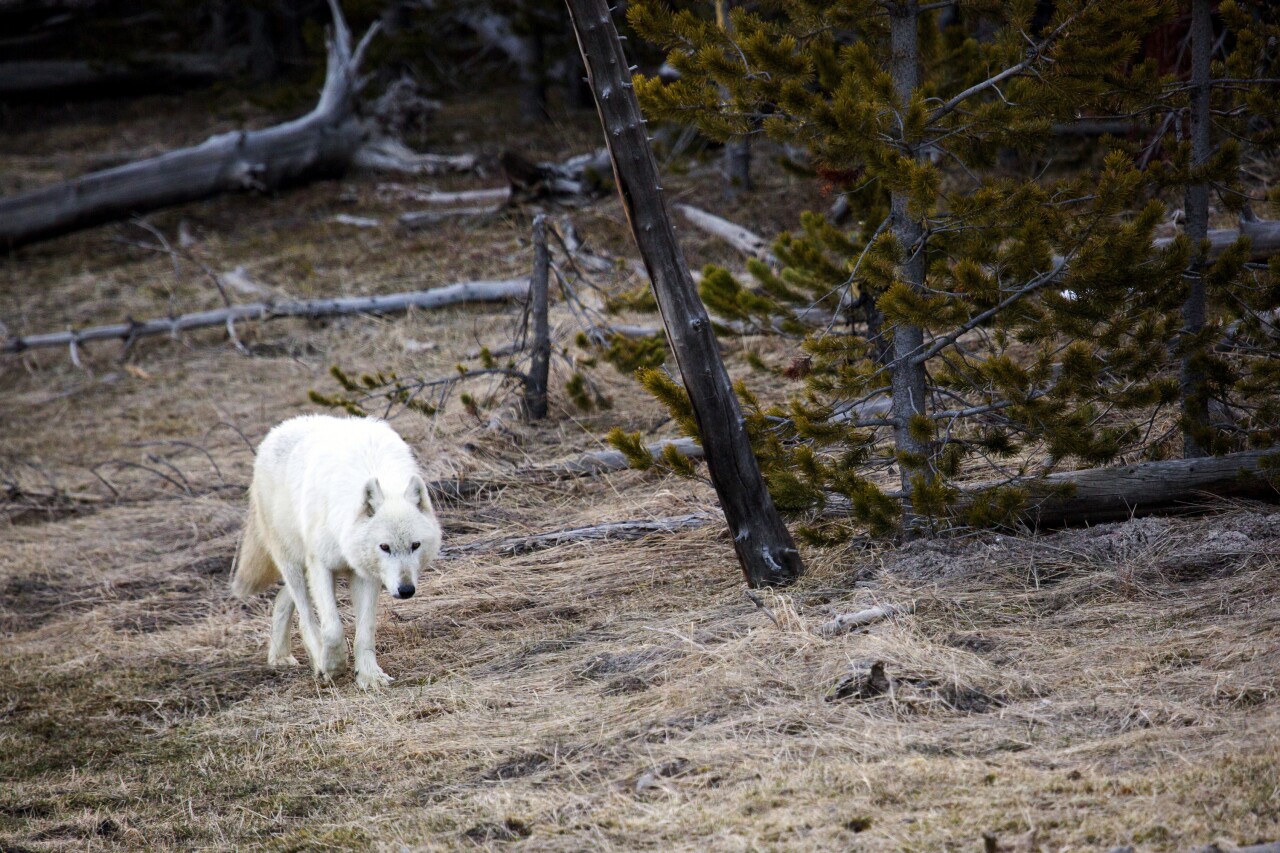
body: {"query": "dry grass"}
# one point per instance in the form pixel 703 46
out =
pixel 1099 687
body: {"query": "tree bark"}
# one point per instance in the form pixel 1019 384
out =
pixel 535 388
pixel 322 142
pixel 1114 494
pixel 736 162
pixel 908 375
pixel 764 547
pixel 1195 399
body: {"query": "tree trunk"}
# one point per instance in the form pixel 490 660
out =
pixel 323 142
pixel 737 151
pixel 764 546
pixel 535 388
pixel 1195 399
pixel 1114 494
pixel 908 379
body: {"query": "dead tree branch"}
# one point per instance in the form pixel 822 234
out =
pixel 470 291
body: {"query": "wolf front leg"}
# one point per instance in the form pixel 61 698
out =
pixel 333 643
pixel 295 581
pixel 364 598
pixel 279 653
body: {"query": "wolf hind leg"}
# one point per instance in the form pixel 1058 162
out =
pixel 279 653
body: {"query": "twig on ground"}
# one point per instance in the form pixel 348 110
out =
pixel 846 622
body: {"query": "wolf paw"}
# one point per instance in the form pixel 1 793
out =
pixel 373 679
pixel 282 660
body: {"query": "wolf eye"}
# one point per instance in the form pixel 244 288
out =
pixel 385 547
pixel 413 546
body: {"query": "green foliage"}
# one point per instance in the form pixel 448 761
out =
pixel 630 354
pixel 384 387
pixel 1052 324
pixel 632 446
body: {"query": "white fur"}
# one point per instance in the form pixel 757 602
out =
pixel 327 494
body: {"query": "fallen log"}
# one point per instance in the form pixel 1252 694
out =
pixel 320 143
pixel 1100 495
pixel 613 531
pixel 745 241
pixel 1263 236
pixel 470 291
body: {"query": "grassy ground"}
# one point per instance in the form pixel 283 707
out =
pixel 1069 692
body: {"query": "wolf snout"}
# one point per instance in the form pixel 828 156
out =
pixel 406 590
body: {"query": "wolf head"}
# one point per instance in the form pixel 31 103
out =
pixel 396 535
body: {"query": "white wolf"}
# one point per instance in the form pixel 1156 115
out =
pixel 334 496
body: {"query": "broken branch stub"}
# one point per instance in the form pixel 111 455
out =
pixel 535 388
pixel 764 546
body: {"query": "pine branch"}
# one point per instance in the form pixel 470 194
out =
pixel 1035 52
pixel 939 344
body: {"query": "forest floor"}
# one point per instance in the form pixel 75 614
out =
pixel 1071 691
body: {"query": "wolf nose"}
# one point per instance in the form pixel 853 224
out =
pixel 406 590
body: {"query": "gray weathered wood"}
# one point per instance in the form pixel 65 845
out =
pixel 322 142
pixel 1115 494
pixel 1263 236
pixel 469 291
pixel 846 622
pixel 744 240
pixel 764 546
pixel 535 387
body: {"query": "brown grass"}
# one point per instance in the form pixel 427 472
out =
pixel 1098 687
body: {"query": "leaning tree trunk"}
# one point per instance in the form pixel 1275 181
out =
pixel 1195 400
pixel 764 546
pixel 908 377
pixel 322 142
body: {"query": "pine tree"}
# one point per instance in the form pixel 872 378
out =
pixel 1016 314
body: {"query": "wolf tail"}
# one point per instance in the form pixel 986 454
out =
pixel 254 569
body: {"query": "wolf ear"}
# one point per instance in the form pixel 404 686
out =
pixel 372 497
pixel 416 494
